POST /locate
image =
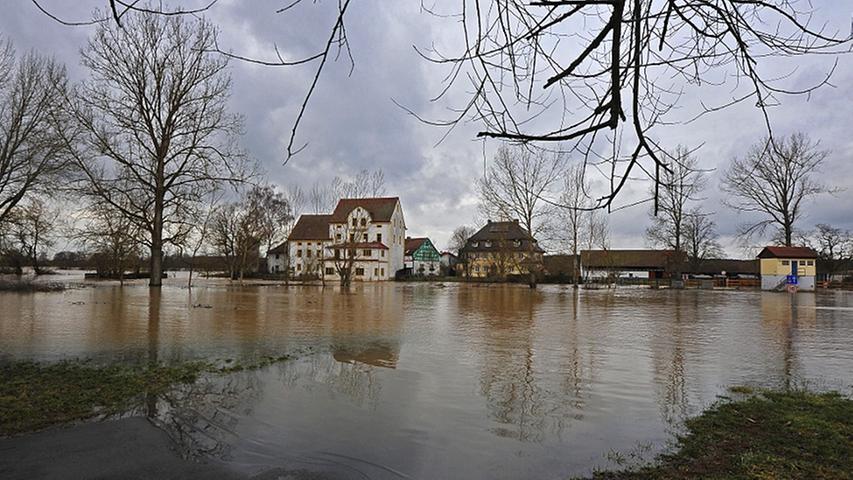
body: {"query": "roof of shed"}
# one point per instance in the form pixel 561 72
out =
pixel 787 252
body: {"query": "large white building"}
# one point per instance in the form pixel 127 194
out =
pixel 364 236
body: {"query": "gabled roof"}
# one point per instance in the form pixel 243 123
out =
pixel 280 248
pixel 787 252
pixel 380 208
pixel 498 234
pixel 716 266
pixel 310 227
pixel 631 259
pixel 412 244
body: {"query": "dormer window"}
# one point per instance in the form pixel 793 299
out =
pixel 475 244
pixel 517 243
pixel 487 244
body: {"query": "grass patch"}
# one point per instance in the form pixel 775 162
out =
pixel 769 435
pixel 34 396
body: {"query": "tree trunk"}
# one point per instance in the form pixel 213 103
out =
pixel 156 279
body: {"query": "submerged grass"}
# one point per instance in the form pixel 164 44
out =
pixel 767 435
pixel 27 284
pixel 34 396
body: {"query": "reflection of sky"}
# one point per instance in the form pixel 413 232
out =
pixel 352 123
pixel 487 381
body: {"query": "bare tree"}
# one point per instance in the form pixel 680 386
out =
pixel 700 237
pixel 460 237
pixel 579 216
pixel 516 184
pixel 680 185
pixel 275 214
pixel 593 66
pixel 835 248
pixel 364 184
pixel 773 179
pixel 32 154
pixel 31 228
pixel 112 236
pixel 345 254
pixel 155 112
pixel 236 233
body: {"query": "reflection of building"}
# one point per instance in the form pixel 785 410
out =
pixel 377 354
pixel 500 249
pixel 783 266
pixel 421 257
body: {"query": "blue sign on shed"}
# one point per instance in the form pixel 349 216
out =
pixel 792 280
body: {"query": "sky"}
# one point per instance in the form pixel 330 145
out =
pixel 352 122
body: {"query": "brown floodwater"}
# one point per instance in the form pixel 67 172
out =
pixel 435 381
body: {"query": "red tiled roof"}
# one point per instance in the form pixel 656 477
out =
pixel 787 252
pixel 310 227
pixel 380 208
pixel 413 244
pixel 379 245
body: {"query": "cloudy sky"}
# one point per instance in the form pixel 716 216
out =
pixel 353 124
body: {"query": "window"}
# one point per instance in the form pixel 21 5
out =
pixel 351 237
pixel 383 253
pixel 810 263
pixel 785 262
pixel 378 237
pixel 363 222
pixel 308 253
pixel 338 237
pixel 375 272
pixel 298 267
pixel 475 244
pixel 382 271
pixel 487 244
pixel 359 272
pixel 364 237
pixel 354 222
pixel 298 244
pixel 367 253
pixel 337 254
pixel 276 256
pixel 299 253
pixel 330 271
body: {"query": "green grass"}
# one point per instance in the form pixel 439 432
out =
pixel 34 396
pixel 769 435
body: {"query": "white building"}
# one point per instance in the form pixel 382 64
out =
pixel 421 257
pixel 373 229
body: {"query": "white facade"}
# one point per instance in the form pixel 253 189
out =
pixel 307 256
pixel 379 245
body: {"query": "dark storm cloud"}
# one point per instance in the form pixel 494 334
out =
pixel 352 124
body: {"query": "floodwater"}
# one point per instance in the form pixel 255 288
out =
pixel 432 381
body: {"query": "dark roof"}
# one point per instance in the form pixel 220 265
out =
pixel 380 208
pixel 413 244
pixel 310 227
pixel 631 259
pixel 280 248
pixel 378 245
pixel 717 266
pixel 787 252
pixel 499 233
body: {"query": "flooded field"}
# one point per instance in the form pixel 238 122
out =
pixel 435 381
